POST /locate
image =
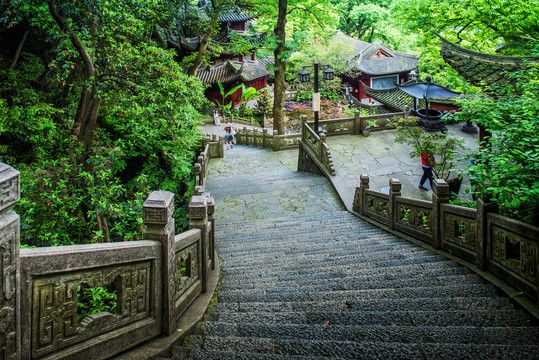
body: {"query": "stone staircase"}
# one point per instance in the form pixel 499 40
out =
pixel 328 285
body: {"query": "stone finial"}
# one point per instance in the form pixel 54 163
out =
pixel 364 181
pixel 322 136
pixel 198 207
pixel 158 208
pixel 395 186
pixel 211 205
pixel 275 132
pixel 303 118
pixel 199 190
pixel 440 188
pixel 10 187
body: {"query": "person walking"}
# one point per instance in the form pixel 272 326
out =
pixel 228 136
pixel 427 163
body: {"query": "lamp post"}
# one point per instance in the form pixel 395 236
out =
pixel 304 76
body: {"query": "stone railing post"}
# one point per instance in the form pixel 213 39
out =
pixel 265 139
pixel 276 143
pixel 198 175
pixel 202 162
pixel 359 197
pixel 321 154
pixel 483 208
pixel 198 219
pixel 440 195
pixel 211 223
pixel 10 317
pixel 357 122
pixel 159 226
pixel 394 191
pixel 406 111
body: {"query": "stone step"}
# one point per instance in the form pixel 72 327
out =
pixel 444 276
pixel 351 283
pixel 399 304
pixel 313 273
pixel 378 333
pixel 496 318
pixel 230 355
pixel 330 349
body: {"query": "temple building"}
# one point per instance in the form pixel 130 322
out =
pixel 375 65
pixel 227 66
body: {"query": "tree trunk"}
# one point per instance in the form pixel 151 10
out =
pixel 280 64
pixel 86 116
pixel 19 48
pixel 203 47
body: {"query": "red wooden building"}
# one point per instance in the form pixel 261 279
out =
pixel 227 67
pixel 375 65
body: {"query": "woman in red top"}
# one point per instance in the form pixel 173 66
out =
pixel 427 162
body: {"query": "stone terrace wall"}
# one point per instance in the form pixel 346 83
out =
pixel 499 245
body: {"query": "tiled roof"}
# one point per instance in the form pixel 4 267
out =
pixel 479 67
pixel 230 14
pixel 177 39
pixel 229 71
pixel 394 98
pixel 367 61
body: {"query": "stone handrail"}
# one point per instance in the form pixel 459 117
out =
pixel 314 151
pixel 155 281
pixel 357 124
pixel 245 121
pixel 264 139
pixel 497 245
pixel 213 148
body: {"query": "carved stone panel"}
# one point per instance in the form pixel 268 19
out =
pixel 516 252
pixel 187 268
pixel 54 305
pixel 415 217
pixel 9 186
pixel 9 240
pixel 460 230
pixel 377 205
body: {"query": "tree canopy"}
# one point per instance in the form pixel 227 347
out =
pixel 96 76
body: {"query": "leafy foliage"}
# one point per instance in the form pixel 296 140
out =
pixel 506 167
pixel 443 146
pixel 96 76
pixel 92 301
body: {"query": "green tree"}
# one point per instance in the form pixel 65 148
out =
pixel 290 22
pixel 506 168
pixel 512 27
pixel 126 89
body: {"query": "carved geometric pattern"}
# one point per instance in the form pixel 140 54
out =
pixel 190 256
pixel 516 252
pixel 9 191
pixel 415 217
pixel 377 205
pixel 460 230
pixel 155 216
pixel 339 127
pixel 54 305
pixel 8 272
pixel 7 262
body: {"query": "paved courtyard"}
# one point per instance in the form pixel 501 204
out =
pixel 381 158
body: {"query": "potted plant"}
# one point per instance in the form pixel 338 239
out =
pixel 443 146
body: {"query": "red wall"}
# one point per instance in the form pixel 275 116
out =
pixel 213 94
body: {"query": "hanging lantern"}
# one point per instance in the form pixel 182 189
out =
pixel 328 74
pixel 304 76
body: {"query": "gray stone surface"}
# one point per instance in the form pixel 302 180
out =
pixel 313 281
